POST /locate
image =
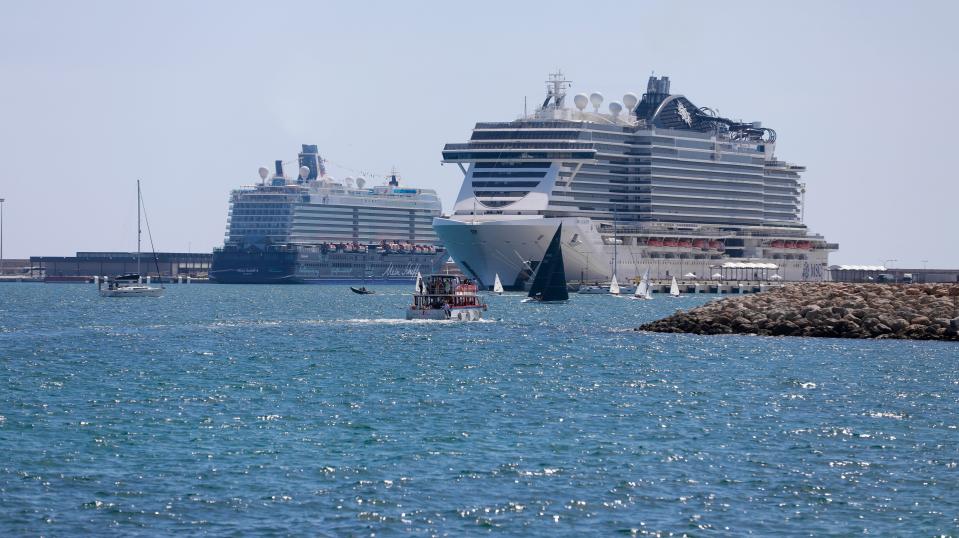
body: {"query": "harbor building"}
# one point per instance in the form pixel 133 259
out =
pixel 86 265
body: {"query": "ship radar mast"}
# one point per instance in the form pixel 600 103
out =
pixel 556 90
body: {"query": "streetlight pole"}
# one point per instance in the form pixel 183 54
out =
pixel 887 263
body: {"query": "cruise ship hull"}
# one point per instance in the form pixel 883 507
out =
pixel 313 266
pixel 511 249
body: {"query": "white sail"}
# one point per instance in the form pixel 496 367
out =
pixel 497 285
pixel 419 283
pixel 674 288
pixel 614 286
pixel 643 288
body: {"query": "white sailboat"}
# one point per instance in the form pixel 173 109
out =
pixel 642 290
pixel 614 286
pixel 497 286
pixel 419 284
pixel 674 288
pixel 132 285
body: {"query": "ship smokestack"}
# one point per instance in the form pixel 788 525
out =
pixel 279 168
pixel 310 158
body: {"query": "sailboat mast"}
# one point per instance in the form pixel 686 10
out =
pixel 138 227
pixel 615 239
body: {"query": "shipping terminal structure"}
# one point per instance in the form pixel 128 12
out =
pixel 313 228
pixel 653 182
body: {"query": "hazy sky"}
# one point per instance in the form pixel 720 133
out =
pixel 192 97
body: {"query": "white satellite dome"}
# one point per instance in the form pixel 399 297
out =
pixel 615 108
pixel 580 100
pixel 304 172
pixel 630 101
pixel 264 172
pixel 596 99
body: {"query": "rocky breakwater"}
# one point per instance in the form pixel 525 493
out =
pixel 834 310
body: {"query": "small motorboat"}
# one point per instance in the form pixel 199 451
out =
pixel 362 290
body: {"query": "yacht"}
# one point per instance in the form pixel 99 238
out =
pixel 131 285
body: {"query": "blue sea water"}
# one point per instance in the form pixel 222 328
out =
pixel 308 410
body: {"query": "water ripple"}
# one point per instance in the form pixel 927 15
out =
pixel 229 410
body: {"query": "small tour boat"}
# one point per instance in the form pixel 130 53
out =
pixel 445 297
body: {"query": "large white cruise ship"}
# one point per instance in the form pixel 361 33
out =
pixel 314 228
pixel 655 183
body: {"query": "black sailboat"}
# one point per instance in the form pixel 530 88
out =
pixel 549 281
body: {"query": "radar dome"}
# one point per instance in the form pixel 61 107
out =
pixel 304 172
pixel 360 182
pixel 580 101
pixel 630 100
pixel 615 108
pixel 596 99
pixel 264 172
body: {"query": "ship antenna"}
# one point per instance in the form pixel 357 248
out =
pixel 556 88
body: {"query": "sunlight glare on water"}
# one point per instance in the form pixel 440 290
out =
pixel 311 410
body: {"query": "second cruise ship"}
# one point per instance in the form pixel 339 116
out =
pixel 315 229
pixel 648 183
